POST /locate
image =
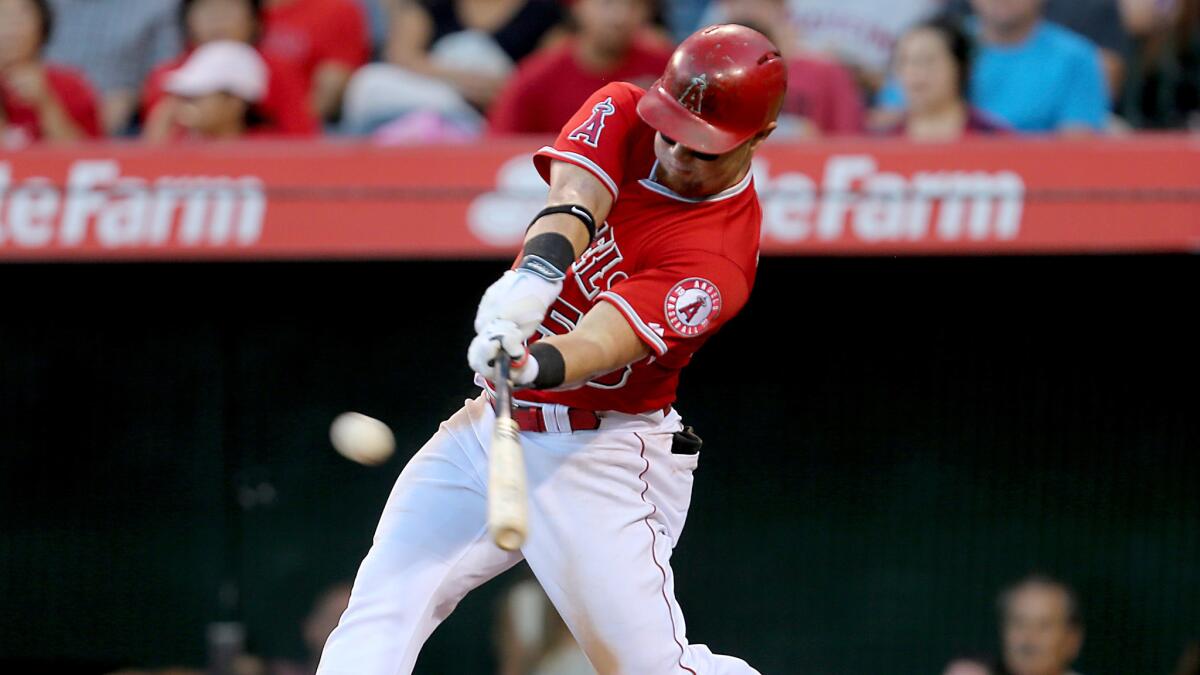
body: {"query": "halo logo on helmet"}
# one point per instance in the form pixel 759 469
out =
pixel 693 97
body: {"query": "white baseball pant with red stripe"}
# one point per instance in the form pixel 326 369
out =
pixel 606 508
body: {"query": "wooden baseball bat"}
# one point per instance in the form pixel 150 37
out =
pixel 508 507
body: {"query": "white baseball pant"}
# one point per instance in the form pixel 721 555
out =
pixel 606 508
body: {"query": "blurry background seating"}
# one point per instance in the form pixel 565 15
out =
pixel 39 100
pixel 859 33
pixel 933 69
pixel 610 40
pixel 445 69
pixel 1114 26
pixel 115 43
pixel 450 57
pixel 283 109
pixel 1030 73
pixel 324 40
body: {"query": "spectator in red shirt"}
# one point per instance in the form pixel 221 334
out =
pixel 325 40
pixel 39 101
pixel 284 108
pixel 933 66
pixel 217 88
pixel 823 98
pixel 610 44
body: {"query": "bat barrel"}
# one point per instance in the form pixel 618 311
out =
pixel 508 516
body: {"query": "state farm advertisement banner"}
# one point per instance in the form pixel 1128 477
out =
pixel 345 200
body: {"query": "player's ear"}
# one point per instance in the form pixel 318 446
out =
pixel 762 136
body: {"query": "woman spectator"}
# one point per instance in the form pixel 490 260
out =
pixel 39 101
pixel 450 57
pixel 933 67
pixel 283 109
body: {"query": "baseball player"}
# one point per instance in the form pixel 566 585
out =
pixel 648 246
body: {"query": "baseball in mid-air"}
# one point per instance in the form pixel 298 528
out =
pixel 362 439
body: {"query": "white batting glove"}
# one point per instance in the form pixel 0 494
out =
pixel 522 298
pixel 498 340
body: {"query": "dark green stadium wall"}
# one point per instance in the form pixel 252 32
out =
pixel 888 442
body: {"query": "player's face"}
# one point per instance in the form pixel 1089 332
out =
pixel 20 32
pixel 695 174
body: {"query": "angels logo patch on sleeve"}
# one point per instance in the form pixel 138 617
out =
pixel 692 305
pixel 589 132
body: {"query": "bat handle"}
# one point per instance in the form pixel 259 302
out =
pixel 503 386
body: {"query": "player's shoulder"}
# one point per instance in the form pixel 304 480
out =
pixel 625 93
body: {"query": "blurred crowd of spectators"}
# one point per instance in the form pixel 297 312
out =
pixel 447 70
pixel 1040 624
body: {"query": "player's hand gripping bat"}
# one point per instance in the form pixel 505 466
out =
pixel 508 509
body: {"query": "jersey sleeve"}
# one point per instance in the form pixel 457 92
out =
pixel 675 306
pixel 597 137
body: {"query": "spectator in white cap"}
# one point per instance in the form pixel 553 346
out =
pixel 219 84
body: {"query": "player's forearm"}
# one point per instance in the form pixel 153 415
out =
pixel 602 343
pixel 582 359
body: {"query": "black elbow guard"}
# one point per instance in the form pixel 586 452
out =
pixel 580 212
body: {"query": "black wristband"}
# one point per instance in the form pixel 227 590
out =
pixel 580 212
pixel 552 371
pixel 548 255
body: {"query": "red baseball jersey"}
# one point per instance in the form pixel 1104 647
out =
pixel 676 268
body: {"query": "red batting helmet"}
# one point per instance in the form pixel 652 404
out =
pixel 722 85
